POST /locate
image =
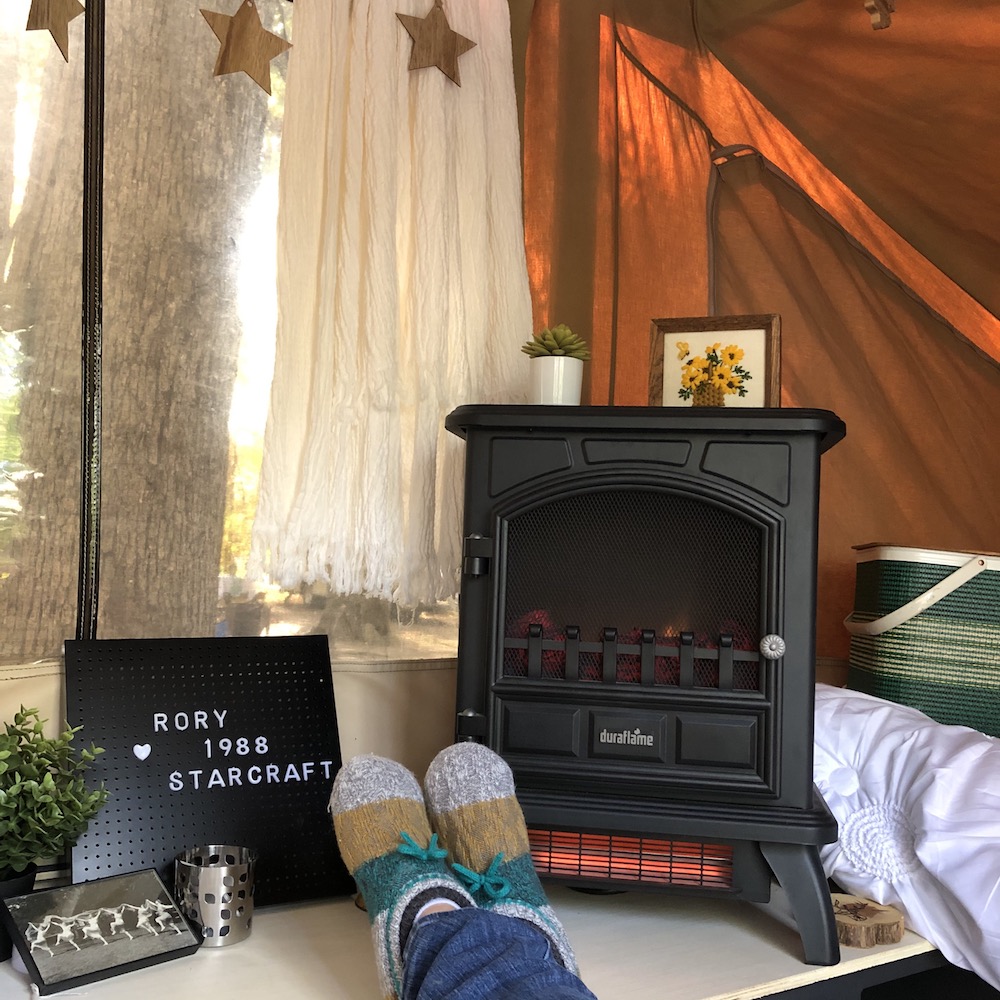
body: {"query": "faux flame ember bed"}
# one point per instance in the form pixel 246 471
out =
pixel 636 638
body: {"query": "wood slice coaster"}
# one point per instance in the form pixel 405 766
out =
pixel 864 924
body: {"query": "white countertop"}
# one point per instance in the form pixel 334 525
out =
pixel 631 946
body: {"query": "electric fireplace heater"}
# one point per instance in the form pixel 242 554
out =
pixel 636 639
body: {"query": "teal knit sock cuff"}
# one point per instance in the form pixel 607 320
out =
pixel 513 889
pixel 503 881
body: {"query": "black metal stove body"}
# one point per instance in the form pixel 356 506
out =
pixel 637 640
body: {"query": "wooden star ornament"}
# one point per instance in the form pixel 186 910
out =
pixel 434 43
pixel 245 45
pixel 54 16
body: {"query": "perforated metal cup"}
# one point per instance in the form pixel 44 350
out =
pixel 214 889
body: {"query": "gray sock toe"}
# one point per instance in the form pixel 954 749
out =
pixel 464 773
pixel 369 778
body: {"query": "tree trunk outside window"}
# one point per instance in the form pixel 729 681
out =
pixel 183 157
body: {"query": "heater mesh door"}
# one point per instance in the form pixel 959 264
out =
pixel 634 560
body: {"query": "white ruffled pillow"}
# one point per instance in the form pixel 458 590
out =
pixel 918 804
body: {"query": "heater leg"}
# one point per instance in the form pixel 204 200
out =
pixel 800 873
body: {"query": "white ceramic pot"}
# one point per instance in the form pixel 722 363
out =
pixel 556 380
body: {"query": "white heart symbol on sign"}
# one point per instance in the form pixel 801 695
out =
pixel 142 750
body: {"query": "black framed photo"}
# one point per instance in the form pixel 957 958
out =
pixel 78 934
pixel 715 361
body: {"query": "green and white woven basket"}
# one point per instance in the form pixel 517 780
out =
pixel 925 632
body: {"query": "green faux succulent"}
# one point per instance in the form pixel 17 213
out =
pixel 44 803
pixel 559 341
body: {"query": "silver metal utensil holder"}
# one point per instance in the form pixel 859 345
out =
pixel 214 887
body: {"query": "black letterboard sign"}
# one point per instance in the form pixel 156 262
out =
pixel 210 741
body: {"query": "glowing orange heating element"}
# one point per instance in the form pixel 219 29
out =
pixel 568 855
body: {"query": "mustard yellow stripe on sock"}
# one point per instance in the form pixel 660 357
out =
pixel 371 830
pixel 474 834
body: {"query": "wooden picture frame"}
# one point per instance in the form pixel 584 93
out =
pixel 684 370
pixel 78 934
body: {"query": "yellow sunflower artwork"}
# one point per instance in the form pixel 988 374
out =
pixel 708 378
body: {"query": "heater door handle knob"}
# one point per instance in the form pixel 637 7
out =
pixel 772 647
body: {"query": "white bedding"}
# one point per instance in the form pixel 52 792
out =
pixel 918 805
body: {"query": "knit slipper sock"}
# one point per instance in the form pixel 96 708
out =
pixel 386 843
pixel 473 808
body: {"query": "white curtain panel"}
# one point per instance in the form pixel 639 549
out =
pixel 402 293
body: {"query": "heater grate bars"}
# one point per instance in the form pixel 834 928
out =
pixel 568 855
pixel 643 658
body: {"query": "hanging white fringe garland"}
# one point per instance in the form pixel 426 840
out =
pixel 403 293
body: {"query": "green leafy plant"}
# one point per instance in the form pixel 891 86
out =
pixel 44 802
pixel 558 341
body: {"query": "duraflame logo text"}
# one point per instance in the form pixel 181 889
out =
pixel 627 737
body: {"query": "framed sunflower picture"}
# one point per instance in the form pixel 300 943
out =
pixel 715 361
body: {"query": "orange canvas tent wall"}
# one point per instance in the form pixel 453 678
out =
pixel 719 157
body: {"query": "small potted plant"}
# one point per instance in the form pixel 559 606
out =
pixel 44 803
pixel 557 356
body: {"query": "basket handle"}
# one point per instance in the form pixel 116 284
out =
pixel 927 599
